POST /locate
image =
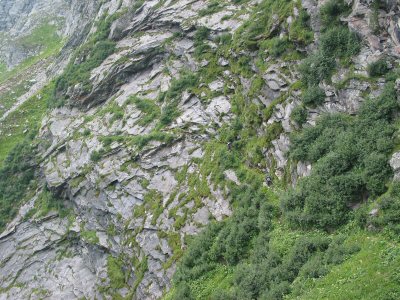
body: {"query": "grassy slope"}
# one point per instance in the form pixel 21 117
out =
pixel 219 279
pixel 27 117
pixel 44 37
pixel 372 273
pixel 19 123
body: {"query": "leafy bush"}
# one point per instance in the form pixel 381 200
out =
pixel 96 155
pixel 90 236
pixel 183 292
pixel 243 241
pixel 200 38
pixel 47 202
pixel 350 156
pixel 315 68
pixel 299 115
pixel 16 177
pixel 277 46
pixel 270 276
pixel 332 10
pixel 143 140
pixel 339 42
pixel 273 132
pixel 336 43
pixel 258 27
pixel 313 96
pixel 300 31
pixel 378 68
pixel 224 39
pixel 388 211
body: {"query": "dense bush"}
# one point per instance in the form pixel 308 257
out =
pixel 315 68
pixel 299 115
pixel 378 68
pixel 197 258
pixel 339 42
pixel 200 41
pixel 300 31
pixel 270 277
pixel 332 10
pixel 243 240
pixel 313 96
pixel 16 175
pixel 389 211
pixel 350 159
pixel 96 156
pixel 336 43
pixel 277 46
pixel 115 270
pixel 265 258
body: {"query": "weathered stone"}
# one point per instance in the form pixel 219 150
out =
pixel 395 164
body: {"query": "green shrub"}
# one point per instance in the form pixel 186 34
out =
pixel 259 26
pixel 183 292
pixel 336 43
pixel 96 155
pixel 378 68
pixel 350 158
pixel 16 177
pixel 270 276
pixel 331 12
pixel 277 46
pixel 90 236
pixel 313 96
pixel 224 39
pixel 201 34
pixel 315 68
pixel 47 202
pixel 273 132
pixel 86 132
pixel 300 31
pixel 200 39
pixel 299 115
pixel 142 140
pixel 339 42
pixel 388 211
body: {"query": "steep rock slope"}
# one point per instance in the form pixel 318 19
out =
pixel 125 158
pixel 20 18
pixel 37 40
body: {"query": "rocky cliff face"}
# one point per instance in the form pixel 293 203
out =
pixel 125 155
pixel 20 18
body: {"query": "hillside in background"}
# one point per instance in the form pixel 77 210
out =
pixel 199 149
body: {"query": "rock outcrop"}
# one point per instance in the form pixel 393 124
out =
pixel 135 189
